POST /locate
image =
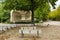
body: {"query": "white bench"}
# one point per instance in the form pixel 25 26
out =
pixel 34 32
pixel 30 32
pixel 28 28
pixel 26 32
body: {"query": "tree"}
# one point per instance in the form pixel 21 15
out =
pixel 58 16
pixel 53 2
pixel 17 4
pixel 4 14
pixel 41 13
pixel 52 15
pixel 55 15
pixel 43 8
pixel 26 4
pixel 32 5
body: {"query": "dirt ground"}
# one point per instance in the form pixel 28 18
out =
pixel 48 33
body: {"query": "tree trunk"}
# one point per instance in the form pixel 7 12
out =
pixel 32 11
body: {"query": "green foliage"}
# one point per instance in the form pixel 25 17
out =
pixel 53 2
pixel 42 13
pixel 4 14
pixel 17 4
pixel 41 8
pixel 55 15
pixel 26 4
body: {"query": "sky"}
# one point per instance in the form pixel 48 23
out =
pixel 0 0
pixel 57 4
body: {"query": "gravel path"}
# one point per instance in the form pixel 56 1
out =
pixel 55 23
pixel 48 33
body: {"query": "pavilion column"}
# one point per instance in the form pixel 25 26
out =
pixel 11 14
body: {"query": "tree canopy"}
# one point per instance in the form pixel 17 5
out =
pixel 55 15
pixel 26 4
pixel 17 4
pixel 39 8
